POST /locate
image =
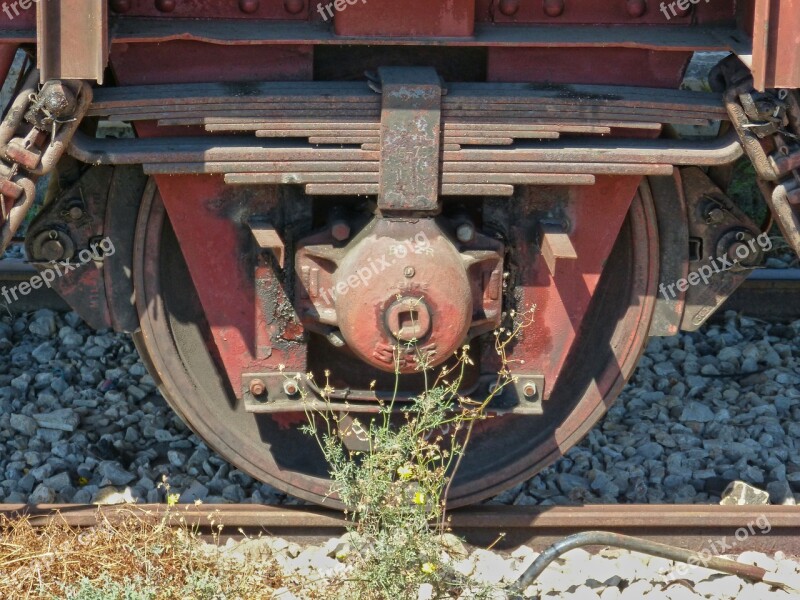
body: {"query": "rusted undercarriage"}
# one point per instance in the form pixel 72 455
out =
pixel 374 190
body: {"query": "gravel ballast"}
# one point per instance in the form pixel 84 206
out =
pixel 81 421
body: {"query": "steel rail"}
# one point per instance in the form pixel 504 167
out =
pixel 691 527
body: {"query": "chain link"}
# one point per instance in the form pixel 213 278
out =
pixel 34 135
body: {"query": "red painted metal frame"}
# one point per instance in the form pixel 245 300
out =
pixel 409 18
pixel 207 217
pixel 611 66
pixel 214 9
pixel 776 39
pixel 592 12
pixel 595 215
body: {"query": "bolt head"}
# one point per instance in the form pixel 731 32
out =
pixel 715 215
pixel 75 213
pixel 258 387
pixel 553 8
pixel 509 7
pixel 294 7
pixel 249 6
pixel 637 8
pixel 465 233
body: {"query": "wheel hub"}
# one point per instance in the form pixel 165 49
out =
pixel 402 291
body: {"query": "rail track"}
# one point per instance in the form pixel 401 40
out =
pixel 691 527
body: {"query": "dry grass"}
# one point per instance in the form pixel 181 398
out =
pixel 129 559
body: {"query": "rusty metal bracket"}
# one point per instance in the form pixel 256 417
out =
pixel 273 392
pixel 410 139
pixel 555 245
pixel 523 397
pixel 726 249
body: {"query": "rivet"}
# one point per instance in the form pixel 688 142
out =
pixel 553 8
pixel 294 7
pixel 249 6
pixel 409 272
pixel 509 7
pixel 637 8
pixel 120 6
pixel 166 5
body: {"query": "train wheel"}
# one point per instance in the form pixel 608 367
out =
pixel 175 342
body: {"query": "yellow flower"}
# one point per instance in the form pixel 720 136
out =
pixel 419 498
pixel 428 568
pixel 405 472
pixel 172 499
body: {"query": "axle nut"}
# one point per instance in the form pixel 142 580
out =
pixel 408 319
pixel 258 387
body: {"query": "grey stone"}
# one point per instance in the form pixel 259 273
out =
pixel 196 491
pixel 650 450
pixel 44 353
pixel 42 495
pixel 695 411
pixel 780 493
pixel 23 424
pixel 43 326
pixel 58 482
pixel 64 419
pixel 176 459
pixel 115 474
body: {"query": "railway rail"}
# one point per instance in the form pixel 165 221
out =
pixel 690 527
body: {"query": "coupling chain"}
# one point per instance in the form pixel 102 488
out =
pixel 34 135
